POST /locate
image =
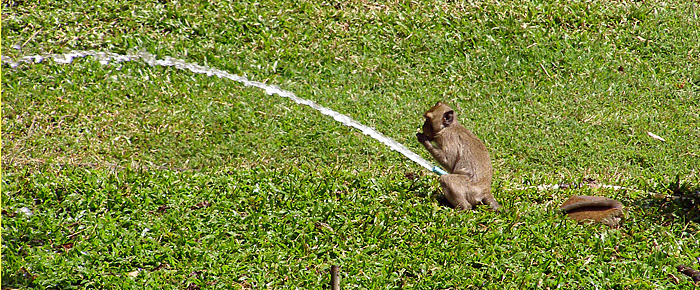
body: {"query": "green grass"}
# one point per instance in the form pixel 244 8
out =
pixel 194 181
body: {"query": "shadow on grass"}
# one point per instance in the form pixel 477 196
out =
pixel 681 202
pixel 421 187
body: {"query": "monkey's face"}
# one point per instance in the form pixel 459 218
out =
pixel 437 118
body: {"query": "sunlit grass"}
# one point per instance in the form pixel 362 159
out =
pixel 149 177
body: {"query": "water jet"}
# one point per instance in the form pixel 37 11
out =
pixel 106 58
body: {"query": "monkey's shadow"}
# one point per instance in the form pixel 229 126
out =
pixel 423 187
pixel 442 200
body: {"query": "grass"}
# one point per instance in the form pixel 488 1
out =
pixel 149 177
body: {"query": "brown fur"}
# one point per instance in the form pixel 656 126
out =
pixel 594 209
pixel 462 154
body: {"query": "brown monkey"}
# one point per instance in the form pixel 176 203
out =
pixel 594 208
pixel 462 154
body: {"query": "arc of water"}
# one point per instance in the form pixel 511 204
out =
pixel 110 57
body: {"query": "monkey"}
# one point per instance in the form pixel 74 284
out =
pixel 463 155
pixel 594 209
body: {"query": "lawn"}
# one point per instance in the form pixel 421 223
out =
pixel 127 175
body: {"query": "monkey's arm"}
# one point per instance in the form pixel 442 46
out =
pixel 437 153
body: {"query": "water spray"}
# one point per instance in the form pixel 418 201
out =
pixel 106 58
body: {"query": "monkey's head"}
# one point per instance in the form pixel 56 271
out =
pixel 438 118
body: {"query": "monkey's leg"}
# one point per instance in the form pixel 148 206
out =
pixel 491 201
pixel 455 188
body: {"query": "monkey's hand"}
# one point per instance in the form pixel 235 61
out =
pixel 422 138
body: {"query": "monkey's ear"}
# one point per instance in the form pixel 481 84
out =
pixel 438 103
pixel 447 118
